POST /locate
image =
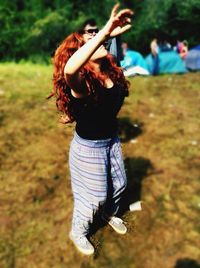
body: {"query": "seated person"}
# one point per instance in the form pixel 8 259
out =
pixel 133 59
pixel 182 48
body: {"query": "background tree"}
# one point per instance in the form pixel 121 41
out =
pixel 33 29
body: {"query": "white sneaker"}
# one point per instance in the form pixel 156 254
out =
pixel 117 224
pixel 82 244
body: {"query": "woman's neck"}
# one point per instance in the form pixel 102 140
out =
pixel 108 83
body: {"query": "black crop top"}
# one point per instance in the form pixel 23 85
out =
pixel 97 120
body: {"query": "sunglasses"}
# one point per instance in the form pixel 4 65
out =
pixel 91 31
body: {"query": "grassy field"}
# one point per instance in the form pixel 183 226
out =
pixel 159 128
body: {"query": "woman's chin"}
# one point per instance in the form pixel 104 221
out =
pixel 99 57
pixel 103 55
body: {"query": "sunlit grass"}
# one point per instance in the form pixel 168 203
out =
pixel 162 160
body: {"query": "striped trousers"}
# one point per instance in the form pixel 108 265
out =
pixel 97 177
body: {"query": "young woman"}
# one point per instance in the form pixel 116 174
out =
pixel 90 89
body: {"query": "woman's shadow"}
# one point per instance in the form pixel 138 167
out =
pixel 137 170
pixel 187 263
pixel 128 129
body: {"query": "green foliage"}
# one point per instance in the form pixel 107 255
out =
pixel 171 20
pixel 33 29
pixel 46 32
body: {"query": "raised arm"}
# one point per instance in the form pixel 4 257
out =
pixel 118 23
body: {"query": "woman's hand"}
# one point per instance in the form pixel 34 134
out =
pixel 64 119
pixel 119 22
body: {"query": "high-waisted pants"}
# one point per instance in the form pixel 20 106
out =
pixel 98 179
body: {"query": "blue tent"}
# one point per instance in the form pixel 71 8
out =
pixel 165 62
pixel 133 58
pixel 193 59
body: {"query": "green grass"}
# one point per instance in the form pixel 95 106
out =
pixel 162 163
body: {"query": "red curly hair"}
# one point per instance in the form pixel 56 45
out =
pixel 61 89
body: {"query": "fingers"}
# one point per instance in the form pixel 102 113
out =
pixel 63 119
pixel 120 30
pixel 125 28
pixel 125 13
pixel 124 21
pixel 123 16
pixel 114 10
pixel 119 21
pixel 128 20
